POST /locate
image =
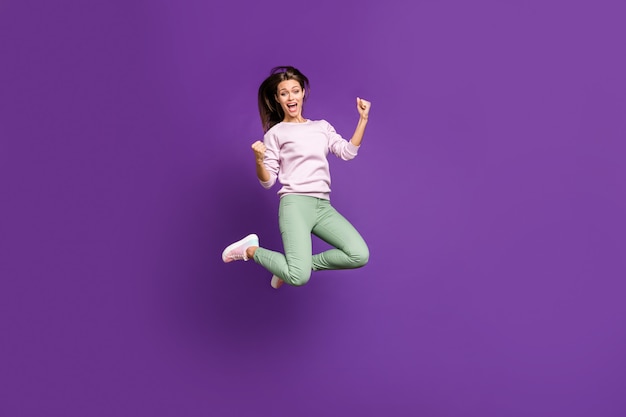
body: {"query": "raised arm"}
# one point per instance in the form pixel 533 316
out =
pixel 266 159
pixel 259 154
pixel 363 106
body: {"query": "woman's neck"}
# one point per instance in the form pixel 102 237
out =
pixel 297 119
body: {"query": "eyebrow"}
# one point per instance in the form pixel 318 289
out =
pixel 286 89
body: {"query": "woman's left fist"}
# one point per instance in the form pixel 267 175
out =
pixel 363 106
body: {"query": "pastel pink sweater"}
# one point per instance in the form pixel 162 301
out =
pixel 296 155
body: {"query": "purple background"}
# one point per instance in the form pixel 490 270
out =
pixel 490 188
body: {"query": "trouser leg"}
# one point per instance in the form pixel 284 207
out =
pixel 350 251
pixel 296 218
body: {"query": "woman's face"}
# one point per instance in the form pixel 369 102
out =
pixel 290 96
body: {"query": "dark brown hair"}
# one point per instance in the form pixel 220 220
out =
pixel 270 111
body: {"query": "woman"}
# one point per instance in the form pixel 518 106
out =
pixel 294 151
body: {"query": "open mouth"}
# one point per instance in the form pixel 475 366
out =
pixel 292 107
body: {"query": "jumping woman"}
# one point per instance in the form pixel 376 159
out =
pixel 294 151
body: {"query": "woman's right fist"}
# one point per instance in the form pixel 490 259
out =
pixel 259 150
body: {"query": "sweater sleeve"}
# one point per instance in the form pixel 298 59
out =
pixel 271 160
pixel 339 146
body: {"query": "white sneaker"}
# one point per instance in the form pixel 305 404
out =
pixel 237 250
pixel 276 282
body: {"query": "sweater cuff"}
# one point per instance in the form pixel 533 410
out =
pixel 268 184
pixel 352 149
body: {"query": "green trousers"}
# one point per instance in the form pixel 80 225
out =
pixel 300 216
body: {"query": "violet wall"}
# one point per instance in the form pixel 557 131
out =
pixel 490 188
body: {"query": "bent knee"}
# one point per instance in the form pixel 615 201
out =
pixel 360 257
pixel 298 279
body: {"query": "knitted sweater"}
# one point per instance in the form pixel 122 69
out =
pixel 296 155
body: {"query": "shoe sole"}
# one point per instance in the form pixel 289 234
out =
pixel 238 243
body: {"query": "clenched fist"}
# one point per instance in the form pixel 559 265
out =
pixel 259 150
pixel 363 106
